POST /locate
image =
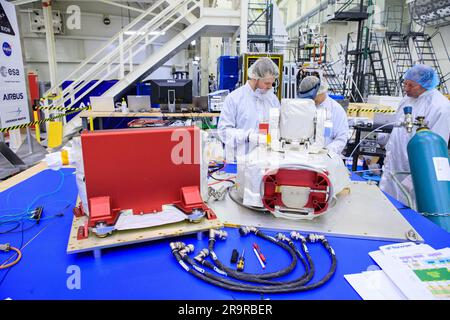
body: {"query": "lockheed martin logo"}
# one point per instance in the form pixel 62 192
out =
pixel 17 112
pixel 5 25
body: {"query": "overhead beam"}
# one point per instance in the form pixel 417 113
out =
pixel 20 2
pixel 110 2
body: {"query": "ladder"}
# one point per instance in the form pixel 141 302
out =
pixel 427 55
pixel 380 79
pixel 335 86
pixel 398 45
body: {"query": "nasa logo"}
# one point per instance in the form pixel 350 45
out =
pixel 7 50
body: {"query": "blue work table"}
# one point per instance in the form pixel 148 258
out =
pixel 148 270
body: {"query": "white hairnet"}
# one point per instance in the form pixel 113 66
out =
pixel 262 68
pixel 308 83
pixel 310 87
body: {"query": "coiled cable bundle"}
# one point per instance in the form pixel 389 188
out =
pixel 218 274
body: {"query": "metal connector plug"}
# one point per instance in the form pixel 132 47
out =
pixel 5 247
pixel 220 234
pixel 186 250
pixel 313 237
pixel 282 237
pixel 245 230
pixel 201 255
pixel 177 245
pixel 297 236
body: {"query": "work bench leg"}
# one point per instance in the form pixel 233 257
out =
pixel 85 123
pixel 97 253
pixel 200 235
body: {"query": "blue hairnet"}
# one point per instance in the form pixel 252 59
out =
pixel 423 75
pixel 309 87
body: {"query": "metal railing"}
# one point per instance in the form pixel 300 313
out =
pixel 122 49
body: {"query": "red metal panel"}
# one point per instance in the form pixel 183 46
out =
pixel 317 182
pixel 33 87
pixel 141 169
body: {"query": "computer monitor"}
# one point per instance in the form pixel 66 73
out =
pixel 102 104
pixel 171 94
pixel 139 103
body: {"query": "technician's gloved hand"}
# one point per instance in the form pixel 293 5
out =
pixel 257 139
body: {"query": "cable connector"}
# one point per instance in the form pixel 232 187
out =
pixel 5 247
pixel 176 246
pixel 313 237
pixel 186 250
pixel 201 255
pixel 282 237
pixel 245 230
pixel 297 236
pixel 220 234
pixel 37 214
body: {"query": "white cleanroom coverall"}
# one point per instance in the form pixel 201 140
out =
pixel 435 107
pixel 241 114
pixel 336 126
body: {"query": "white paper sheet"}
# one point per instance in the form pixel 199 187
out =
pixel 419 271
pixel 169 215
pixel 374 285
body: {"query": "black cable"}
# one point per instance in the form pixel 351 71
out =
pixel 306 277
pixel 213 279
pixel 20 248
pixel 223 180
pixel 257 277
pixel 30 227
pixel 12 229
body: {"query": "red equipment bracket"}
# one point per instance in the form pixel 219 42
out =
pixel 191 199
pixel 83 232
pixel 100 211
pixel 317 182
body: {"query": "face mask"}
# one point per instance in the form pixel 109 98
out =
pixel 261 92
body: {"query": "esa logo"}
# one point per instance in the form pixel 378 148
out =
pixel 4 72
pixel 7 50
pixel 12 96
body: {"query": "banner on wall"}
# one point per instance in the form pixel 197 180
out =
pixel 14 109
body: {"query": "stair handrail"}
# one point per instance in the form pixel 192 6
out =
pixel 110 59
pixel 161 16
pixel 110 42
pixel 68 96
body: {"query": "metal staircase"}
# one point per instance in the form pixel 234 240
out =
pixel 398 46
pixel 380 79
pixel 126 49
pixel 260 26
pixel 426 55
pixel 335 85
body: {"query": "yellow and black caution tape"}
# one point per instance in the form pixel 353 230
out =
pixel 371 110
pixel 25 125
pixel 59 108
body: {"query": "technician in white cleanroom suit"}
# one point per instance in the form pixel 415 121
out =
pixel 247 106
pixel 336 123
pixel 419 83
